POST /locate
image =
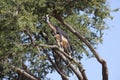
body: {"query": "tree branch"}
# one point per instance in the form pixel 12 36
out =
pixel 69 57
pixel 22 72
pixel 63 56
pixel 66 55
pixel 78 74
pixel 25 68
pixel 78 64
pixel 99 59
pixel 56 67
pixel 32 41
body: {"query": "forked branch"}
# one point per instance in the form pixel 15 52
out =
pixel 99 59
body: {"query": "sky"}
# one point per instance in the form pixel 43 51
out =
pixel 109 50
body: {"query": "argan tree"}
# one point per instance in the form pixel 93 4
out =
pixel 28 49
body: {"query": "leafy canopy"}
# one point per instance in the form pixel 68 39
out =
pixel 20 16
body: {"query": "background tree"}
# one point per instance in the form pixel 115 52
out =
pixel 28 50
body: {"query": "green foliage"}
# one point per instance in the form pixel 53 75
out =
pixel 16 16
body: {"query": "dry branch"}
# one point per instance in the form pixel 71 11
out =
pixel 99 59
pixel 78 74
pixel 57 68
pixel 68 59
pixel 22 72
pixel 65 56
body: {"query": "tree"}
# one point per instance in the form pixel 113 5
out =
pixel 28 50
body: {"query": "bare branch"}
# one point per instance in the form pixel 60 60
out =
pixel 25 68
pixel 78 74
pixel 22 72
pixel 56 67
pixel 99 59
pixel 65 55
pixel 76 62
